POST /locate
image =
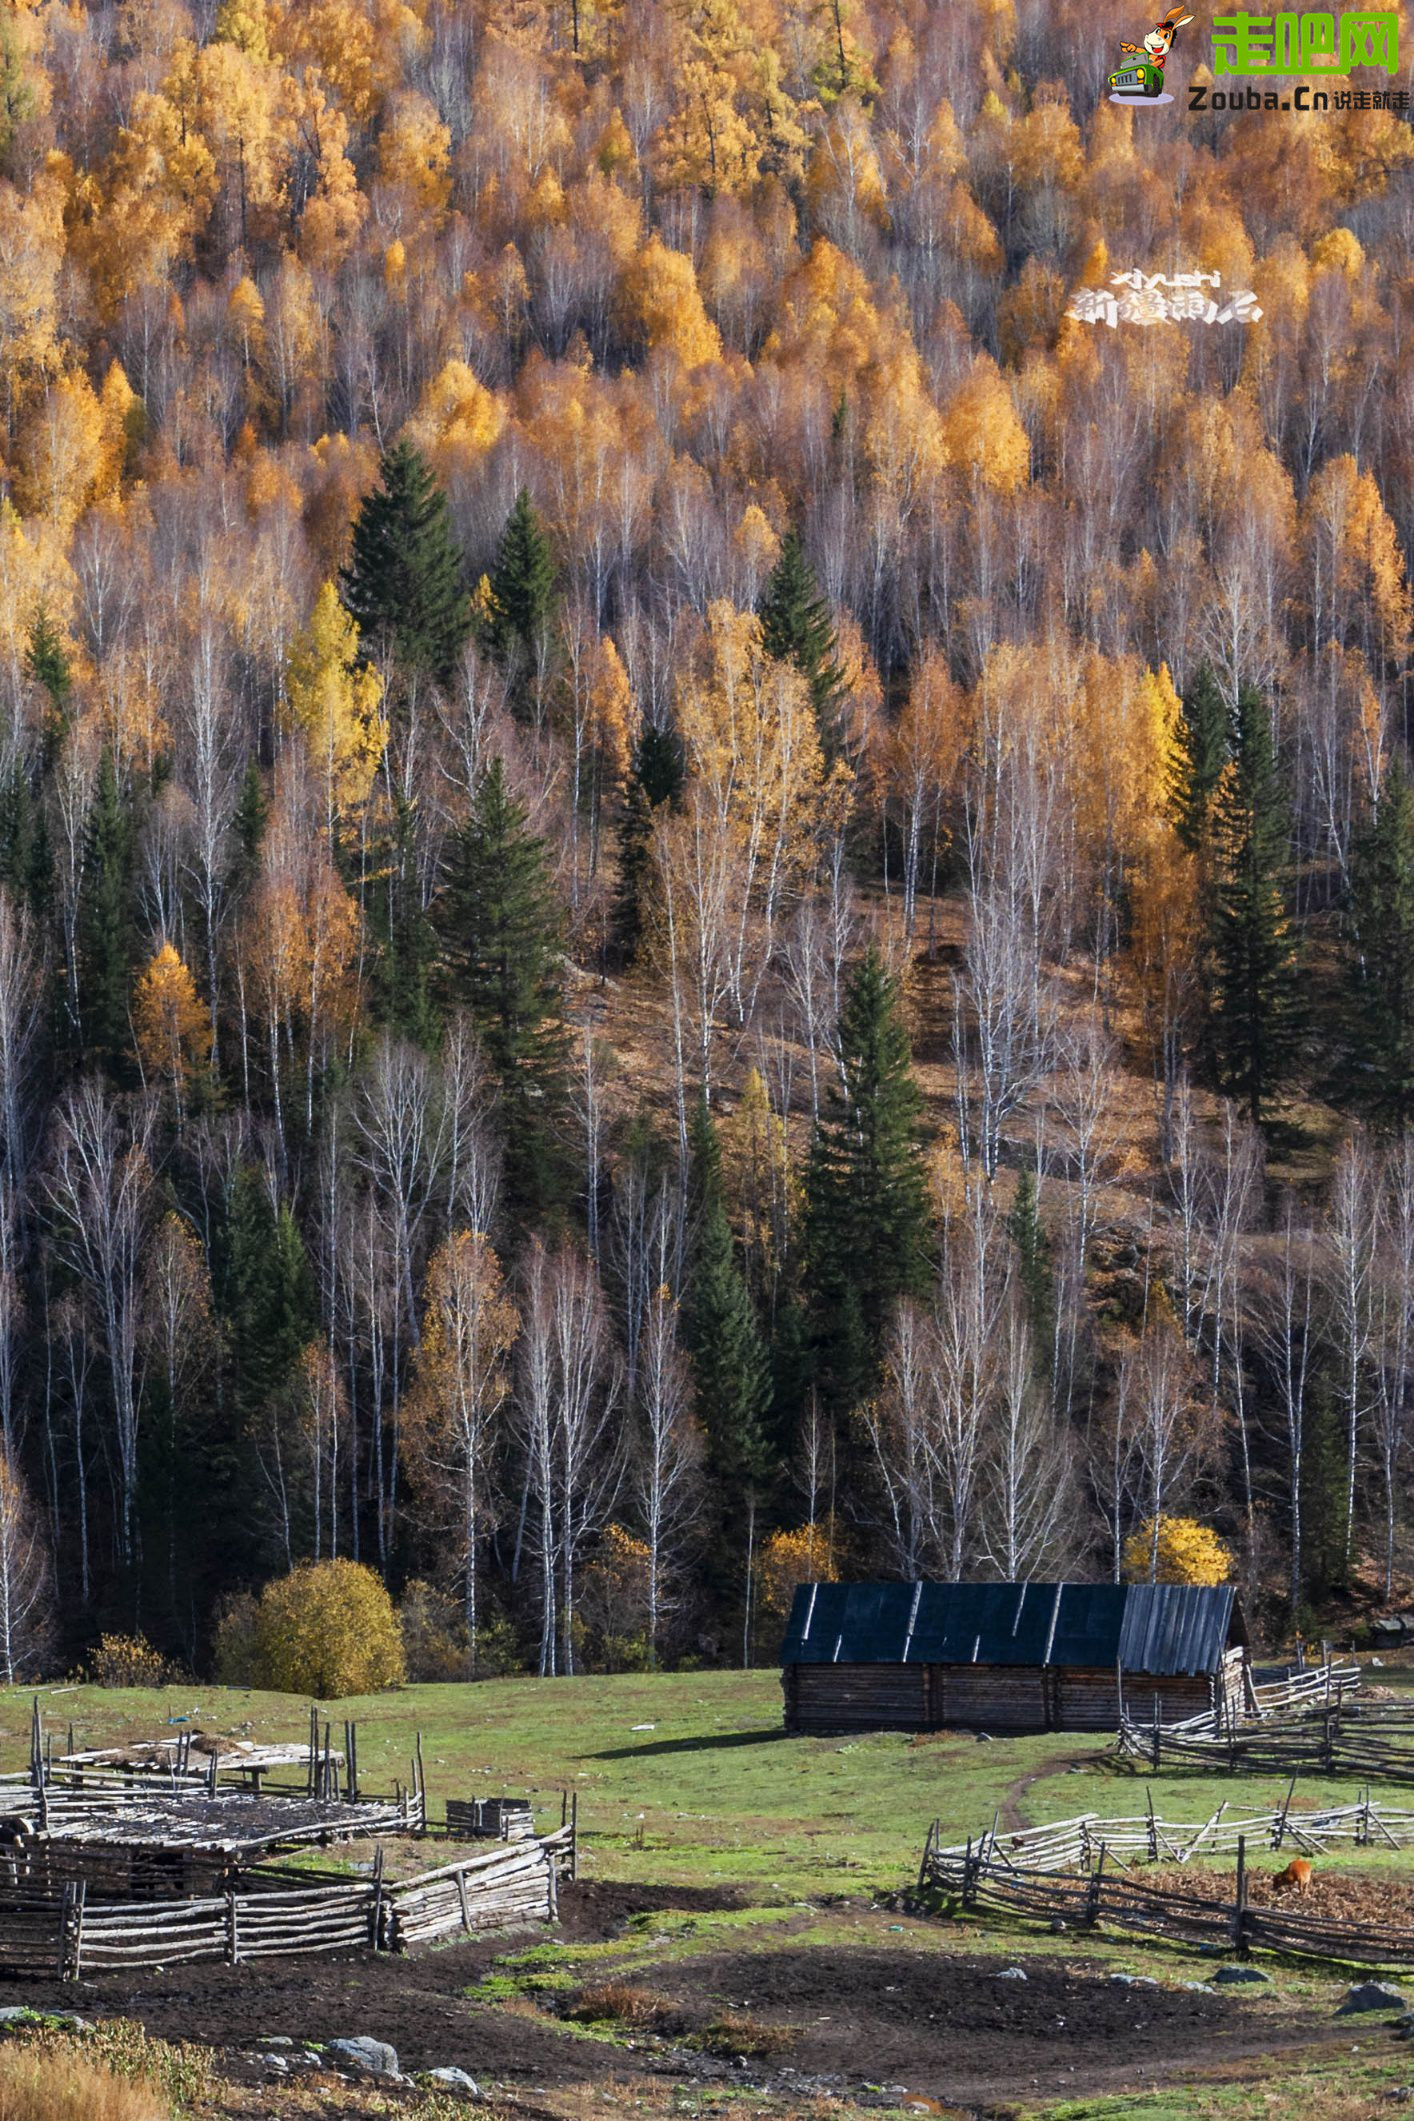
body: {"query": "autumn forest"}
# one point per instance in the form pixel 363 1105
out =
pixel 690 893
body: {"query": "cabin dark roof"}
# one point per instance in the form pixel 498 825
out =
pixel 1160 1628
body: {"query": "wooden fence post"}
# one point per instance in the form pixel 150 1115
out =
pixel 66 1924
pixel 1153 1825
pixel 574 1834
pixel 375 1919
pixel 967 1899
pixel 1092 1898
pixel 1239 1908
pixel 1156 1735
pixel 233 1943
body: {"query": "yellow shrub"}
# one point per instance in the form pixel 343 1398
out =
pixel 789 1559
pixel 328 1629
pixel 127 1660
pixel 1187 1553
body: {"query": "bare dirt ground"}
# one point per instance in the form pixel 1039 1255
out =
pixel 873 2022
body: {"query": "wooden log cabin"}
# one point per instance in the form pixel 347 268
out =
pixel 1009 1656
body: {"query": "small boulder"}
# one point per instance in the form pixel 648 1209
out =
pixel 1232 1976
pixel 453 2080
pixel 1134 1980
pixel 1012 1973
pixel 373 2056
pixel 1370 1996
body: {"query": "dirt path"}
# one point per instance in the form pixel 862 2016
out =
pixel 1010 1816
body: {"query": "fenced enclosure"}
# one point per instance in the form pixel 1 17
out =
pixel 1081 1873
pixel 60 1929
pixel 1342 1734
pixel 145 1856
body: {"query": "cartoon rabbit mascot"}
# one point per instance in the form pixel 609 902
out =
pixel 1159 42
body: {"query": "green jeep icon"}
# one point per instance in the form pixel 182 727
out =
pixel 1138 79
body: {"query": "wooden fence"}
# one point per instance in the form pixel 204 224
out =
pixel 64 1932
pixel 1081 1872
pixel 1370 1741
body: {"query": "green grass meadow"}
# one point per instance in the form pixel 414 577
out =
pixel 683 1778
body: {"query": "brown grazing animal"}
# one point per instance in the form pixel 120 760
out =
pixel 1297 1875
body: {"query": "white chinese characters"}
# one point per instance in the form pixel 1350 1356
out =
pixel 1159 298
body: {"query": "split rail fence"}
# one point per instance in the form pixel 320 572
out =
pixel 1082 1872
pixel 65 1933
pixel 1371 1741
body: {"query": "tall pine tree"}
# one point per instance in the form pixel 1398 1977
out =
pixel 521 601
pixel 657 780
pixel 730 1369
pixel 500 935
pixel 867 1222
pixel 105 925
pixel 1380 958
pixel 1255 993
pixel 47 662
pixel 1203 732
pixel 403 580
pixel 796 627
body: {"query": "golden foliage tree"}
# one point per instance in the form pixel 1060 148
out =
pixel 468 1329
pixel 327 1630
pixel 787 1560
pixel 1188 1552
pixel 172 1028
pixel 335 704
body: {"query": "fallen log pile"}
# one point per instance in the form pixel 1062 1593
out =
pixel 1081 1873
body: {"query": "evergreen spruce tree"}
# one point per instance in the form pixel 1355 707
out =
pixel 105 928
pixel 730 1370
pixel 1255 996
pixel 47 662
pixel 1033 1256
pixel 270 1306
pixel 251 811
pixel 1203 732
pixel 796 627
pixel 499 928
pixel 657 780
pixel 522 586
pixel 1380 957
pixel 867 1215
pixel 403 581
pixel 18 834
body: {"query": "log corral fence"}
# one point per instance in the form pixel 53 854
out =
pixel 1343 1734
pixel 1083 1872
pixel 150 1856
pixel 269 1913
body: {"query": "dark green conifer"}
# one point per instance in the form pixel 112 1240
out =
pixel 47 662
pixel 657 780
pixel 500 940
pixel 403 581
pixel 796 627
pixel 522 597
pixel 1255 993
pixel 105 925
pixel 1380 957
pixel 1033 1256
pixel 1203 733
pixel 867 1215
